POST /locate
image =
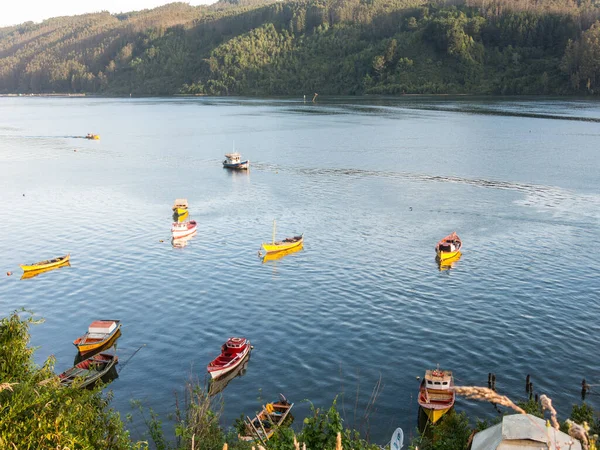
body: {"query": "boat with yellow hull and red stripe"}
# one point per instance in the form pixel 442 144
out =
pixel 46 264
pixel 101 333
pixel 436 394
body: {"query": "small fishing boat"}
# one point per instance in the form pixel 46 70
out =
pixel 46 264
pixel 234 161
pixel 180 206
pixel 182 229
pixel 274 256
pixel 448 263
pixel 35 273
pixel 100 333
pixel 286 244
pixel 89 370
pixel 264 424
pixel 436 395
pixel 218 384
pixel 232 355
pixel 94 137
pixel 448 247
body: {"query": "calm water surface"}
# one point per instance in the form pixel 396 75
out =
pixel 373 184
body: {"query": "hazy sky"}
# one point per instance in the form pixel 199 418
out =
pixel 13 12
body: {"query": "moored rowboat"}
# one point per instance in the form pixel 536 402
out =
pixel 265 423
pixel 100 333
pixel 180 206
pixel 46 264
pixel 286 244
pixel 448 247
pixel 90 370
pixel 232 355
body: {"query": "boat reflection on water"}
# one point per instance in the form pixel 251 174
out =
pixel 218 384
pixel 449 263
pixel 35 273
pixel 279 255
pixel 182 241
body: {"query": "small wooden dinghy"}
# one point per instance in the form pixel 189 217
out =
pixel 286 244
pixel 262 427
pixel 234 161
pixel 448 247
pixel 35 273
pixel 46 264
pixel 182 229
pixel 218 384
pixel 90 370
pixel 436 395
pixel 100 333
pixel 180 206
pixel 232 355
pixel 274 256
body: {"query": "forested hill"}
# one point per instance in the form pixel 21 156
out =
pixel 295 47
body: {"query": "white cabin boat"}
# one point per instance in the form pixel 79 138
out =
pixel 234 161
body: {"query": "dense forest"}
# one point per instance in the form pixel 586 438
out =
pixel 296 47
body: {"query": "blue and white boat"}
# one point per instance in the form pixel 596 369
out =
pixel 234 161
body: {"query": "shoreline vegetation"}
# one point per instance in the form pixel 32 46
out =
pixel 37 412
pixel 296 47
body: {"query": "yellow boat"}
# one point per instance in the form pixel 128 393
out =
pixel 274 256
pixel 35 273
pixel 94 137
pixel 448 263
pixel 180 217
pixel 180 206
pixel 449 247
pixel 286 244
pixel 100 334
pixel 46 264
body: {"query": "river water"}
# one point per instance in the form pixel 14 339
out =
pixel 373 184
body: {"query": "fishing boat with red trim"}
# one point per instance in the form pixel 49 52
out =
pixel 232 355
pixel 182 229
pixel 436 395
pixel 448 247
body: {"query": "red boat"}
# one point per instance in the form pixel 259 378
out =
pixel 182 229
pixel 232 355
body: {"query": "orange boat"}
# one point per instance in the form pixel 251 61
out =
pixel 448 247
pixel 100 333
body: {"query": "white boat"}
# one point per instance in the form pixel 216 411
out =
pixel 182 229
pixel 232 355
pixel 234 161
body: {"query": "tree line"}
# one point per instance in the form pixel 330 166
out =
pixel 267 47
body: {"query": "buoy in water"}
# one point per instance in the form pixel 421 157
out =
pixel 8 274
pixel 161 241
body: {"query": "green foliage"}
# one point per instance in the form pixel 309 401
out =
pixel 532 407
pixel 451 432
pixel 581 414
pixel 37 412
pixel 264 47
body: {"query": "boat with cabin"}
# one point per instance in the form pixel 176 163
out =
pixel 285 244
pixel 448 247
pixel 89 370
pixel 264 424
pixel 234 161
pixel 232 355
pixel 180 206
pixel 46 264
pixel 100 333
pixel 183 229
pixel 436 394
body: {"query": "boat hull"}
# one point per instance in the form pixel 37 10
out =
pixel 244 165
pixel 433 415
pixel 89 370
pixel 180 231
pixel 443 256
pixel 46 264
pixel 216 373
pixel 282 246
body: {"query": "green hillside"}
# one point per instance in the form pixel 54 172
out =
pixel 299 47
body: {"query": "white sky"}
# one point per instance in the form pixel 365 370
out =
pixel 13 12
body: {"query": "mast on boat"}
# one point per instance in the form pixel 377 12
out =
pixel 273 231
